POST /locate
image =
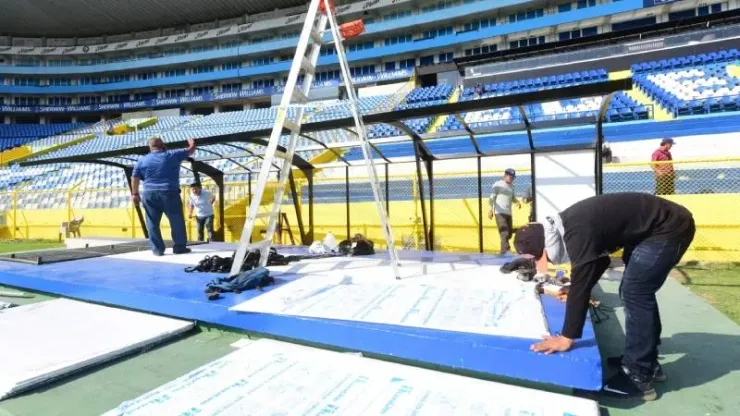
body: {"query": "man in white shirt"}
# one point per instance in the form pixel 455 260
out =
pixel 500 206
pixel 202 203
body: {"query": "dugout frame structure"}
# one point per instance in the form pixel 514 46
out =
pixel 424 158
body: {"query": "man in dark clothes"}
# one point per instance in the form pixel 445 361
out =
pixel 654 234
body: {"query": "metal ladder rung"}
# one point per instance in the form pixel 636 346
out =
pixel 299 96
pixel 316 37
pixel 281 155
pixel 293 127
pixel 260 244
pixel 307 66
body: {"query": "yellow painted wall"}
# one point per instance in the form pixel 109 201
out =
pixel 717 218
pixel 456 227
pixel 716 215
pixel 45 223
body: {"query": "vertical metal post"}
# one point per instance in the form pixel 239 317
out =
pixel 532 150
pixel 221 231
pixel 430 174
pixel 599 162
pixel 297 206
pixel 420 184
pixel 309 176
pixel 387 193
pixel 128 171
pixel 69 206
pixel 15 213
pixel 249 197
pixel 480 207
pixel 249 188
pixel 346 197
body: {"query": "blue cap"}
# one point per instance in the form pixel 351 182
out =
pixel 511 172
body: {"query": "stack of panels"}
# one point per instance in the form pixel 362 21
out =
pixel 46 341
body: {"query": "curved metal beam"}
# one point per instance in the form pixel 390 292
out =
pixel 256 136
pixel 532 163
pixel 470 132
pixel 322 144
pixel 246 137
pixel 222 157
pixel 372 146
pixel 246 150
pixel 421 152
pixel 599 162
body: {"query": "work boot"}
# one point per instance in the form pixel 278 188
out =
pixel 628 385
pixel 658 374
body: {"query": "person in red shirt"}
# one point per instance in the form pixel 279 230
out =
pixel 665 177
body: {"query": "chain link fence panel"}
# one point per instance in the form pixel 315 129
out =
pixel 710 189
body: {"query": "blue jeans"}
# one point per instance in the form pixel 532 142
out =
pixel 168 203
pixel 206 222
pixel 647 267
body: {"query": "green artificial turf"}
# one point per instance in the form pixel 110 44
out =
pixel 718 284
pixel 9 246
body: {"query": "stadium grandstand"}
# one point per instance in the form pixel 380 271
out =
pixel 84 88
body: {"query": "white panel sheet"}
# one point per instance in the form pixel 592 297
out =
pixel 274 378
pixel 479 300
pixel 562 179
pixel 47 340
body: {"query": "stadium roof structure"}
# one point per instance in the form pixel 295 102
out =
pixel 71 18
pixel 422 153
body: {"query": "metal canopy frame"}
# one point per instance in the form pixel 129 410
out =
pixel 422 153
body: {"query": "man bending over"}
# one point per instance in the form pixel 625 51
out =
pixel 654 234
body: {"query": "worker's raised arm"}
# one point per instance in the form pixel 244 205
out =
pixel 191 147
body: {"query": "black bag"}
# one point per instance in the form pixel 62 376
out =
pixel 273 259
pixel 212 264
pixel 357 246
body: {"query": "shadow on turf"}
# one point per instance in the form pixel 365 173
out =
pixel 704 357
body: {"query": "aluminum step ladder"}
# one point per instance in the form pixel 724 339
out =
pixel 311 40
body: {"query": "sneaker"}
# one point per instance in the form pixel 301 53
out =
pixel 626 385
pixel 658 374
pixel 183 251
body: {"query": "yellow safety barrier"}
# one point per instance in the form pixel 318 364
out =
pixel 14 154
pixel 54 148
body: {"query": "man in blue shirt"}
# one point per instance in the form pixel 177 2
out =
pixel 160 172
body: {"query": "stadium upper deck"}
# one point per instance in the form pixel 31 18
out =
pixel 249 57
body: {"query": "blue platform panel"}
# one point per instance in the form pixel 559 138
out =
pixel 161 286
